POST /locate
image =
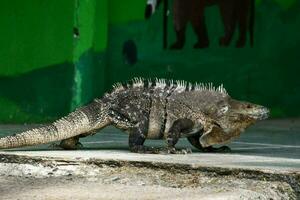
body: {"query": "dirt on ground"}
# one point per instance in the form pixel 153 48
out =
pixel 57 179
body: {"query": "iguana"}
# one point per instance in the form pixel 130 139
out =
pixel 152 109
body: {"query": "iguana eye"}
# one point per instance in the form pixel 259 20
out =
pixel 248 106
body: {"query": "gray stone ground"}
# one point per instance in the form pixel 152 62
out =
pixel 141 183
pixel 264 164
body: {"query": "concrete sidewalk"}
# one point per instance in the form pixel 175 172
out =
pixel 268 154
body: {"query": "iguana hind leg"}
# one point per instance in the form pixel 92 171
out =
pixel 137 136
pixel 179 127
pixel 71 143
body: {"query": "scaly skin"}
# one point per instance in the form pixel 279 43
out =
pixel 157 109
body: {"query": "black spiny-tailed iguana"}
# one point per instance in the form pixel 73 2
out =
pixel 154 109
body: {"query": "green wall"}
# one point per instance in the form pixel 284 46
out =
pixel 45 72
pixel 36 55
pixel 35 34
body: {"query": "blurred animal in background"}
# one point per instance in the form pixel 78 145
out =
pixel 235 14
pixel 189 11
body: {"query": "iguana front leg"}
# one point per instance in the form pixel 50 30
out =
pixel 216 135
pixel 208 136
pixel 194 140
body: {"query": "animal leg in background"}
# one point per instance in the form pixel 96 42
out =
pixel 180 20
pixel 202 36
pixel 229 18
pixel 242 20
pixel 237 13
pixel 189 11
pixel 198 23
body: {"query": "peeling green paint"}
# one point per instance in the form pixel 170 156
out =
pixel 83 20
pixel 90 17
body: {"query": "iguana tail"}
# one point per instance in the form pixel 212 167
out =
pixel 83 120
pixel 252 21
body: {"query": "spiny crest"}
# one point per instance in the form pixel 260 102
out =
pixel 138 82
pixel 160 83
pixel 117 87
pixel 177 85
pixel 210 87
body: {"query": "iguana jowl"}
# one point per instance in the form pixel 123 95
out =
pixel 154 109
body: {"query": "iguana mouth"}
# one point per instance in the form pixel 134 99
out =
pixel 261 114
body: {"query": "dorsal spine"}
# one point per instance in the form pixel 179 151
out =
pixel 178 85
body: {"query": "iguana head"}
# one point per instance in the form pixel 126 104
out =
pixel 234 116
pixel 231 119
pixel 248 110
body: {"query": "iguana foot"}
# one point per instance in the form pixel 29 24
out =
pixel 172 150
pixel 222 149
pixel 139 149
pixel 144 149
pixel 71 144
pixel 54 146
pixel 153 150
pixel 71 147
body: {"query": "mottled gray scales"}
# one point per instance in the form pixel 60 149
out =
pixel 152 109
pixel 157 118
